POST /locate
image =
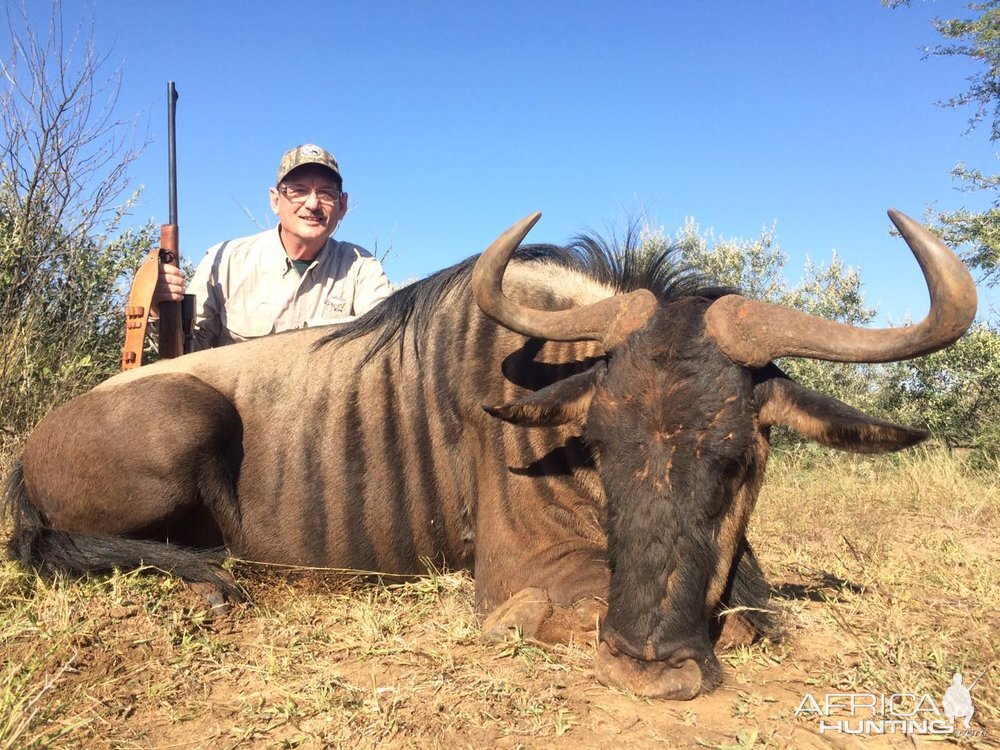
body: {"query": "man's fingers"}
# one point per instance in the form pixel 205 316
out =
pixel 170 284
pixel 168 292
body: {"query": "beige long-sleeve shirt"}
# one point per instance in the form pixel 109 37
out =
pixel 248 287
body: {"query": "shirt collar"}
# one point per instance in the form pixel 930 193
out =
pixel 277 250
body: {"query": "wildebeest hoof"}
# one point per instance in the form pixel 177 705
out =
pixel 652 679
pixel 736 631
pixel 524 612
pixel 213 596
pixel 590 611
pixel 577 624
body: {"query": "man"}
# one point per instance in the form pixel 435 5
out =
pixel 292 276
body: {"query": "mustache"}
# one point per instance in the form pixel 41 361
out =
pixel 317 214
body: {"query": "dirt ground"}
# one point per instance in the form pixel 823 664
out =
pixel 312 664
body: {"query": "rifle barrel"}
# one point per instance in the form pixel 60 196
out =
pixel 171 336
pixel 172 148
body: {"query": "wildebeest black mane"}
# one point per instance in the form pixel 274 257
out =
pixel 623 265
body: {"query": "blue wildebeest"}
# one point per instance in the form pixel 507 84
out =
pixel 611 475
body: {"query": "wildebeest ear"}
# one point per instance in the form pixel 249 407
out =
pixel 829 421
pixel 566 400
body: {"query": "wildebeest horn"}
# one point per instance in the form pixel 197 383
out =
pixel 753 333
pixel 609 321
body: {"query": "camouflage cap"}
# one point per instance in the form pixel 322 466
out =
pixel 307 154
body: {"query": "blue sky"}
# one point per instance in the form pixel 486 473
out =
pixel 451 120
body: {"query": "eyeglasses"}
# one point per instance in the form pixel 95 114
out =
pixel 300 194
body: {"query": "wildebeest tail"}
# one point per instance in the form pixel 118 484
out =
pixel 51 551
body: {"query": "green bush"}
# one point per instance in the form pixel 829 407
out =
pixel 64 260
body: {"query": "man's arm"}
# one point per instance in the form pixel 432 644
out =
pixel 208 301
pixel 372 286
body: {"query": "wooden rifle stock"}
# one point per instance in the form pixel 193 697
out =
pixel 171 331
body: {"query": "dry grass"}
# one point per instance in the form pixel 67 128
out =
pixel 890 568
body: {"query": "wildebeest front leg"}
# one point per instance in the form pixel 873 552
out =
pixel 530 613
pixel 745 614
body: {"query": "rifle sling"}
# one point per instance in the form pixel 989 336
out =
pixel 137 310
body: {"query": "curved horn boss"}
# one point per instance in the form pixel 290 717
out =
pixel 609 321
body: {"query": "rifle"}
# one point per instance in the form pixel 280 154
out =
pixel 175 317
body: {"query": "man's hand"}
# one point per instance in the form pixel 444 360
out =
pixel 169 288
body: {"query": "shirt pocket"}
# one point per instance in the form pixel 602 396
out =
pixel 244 324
